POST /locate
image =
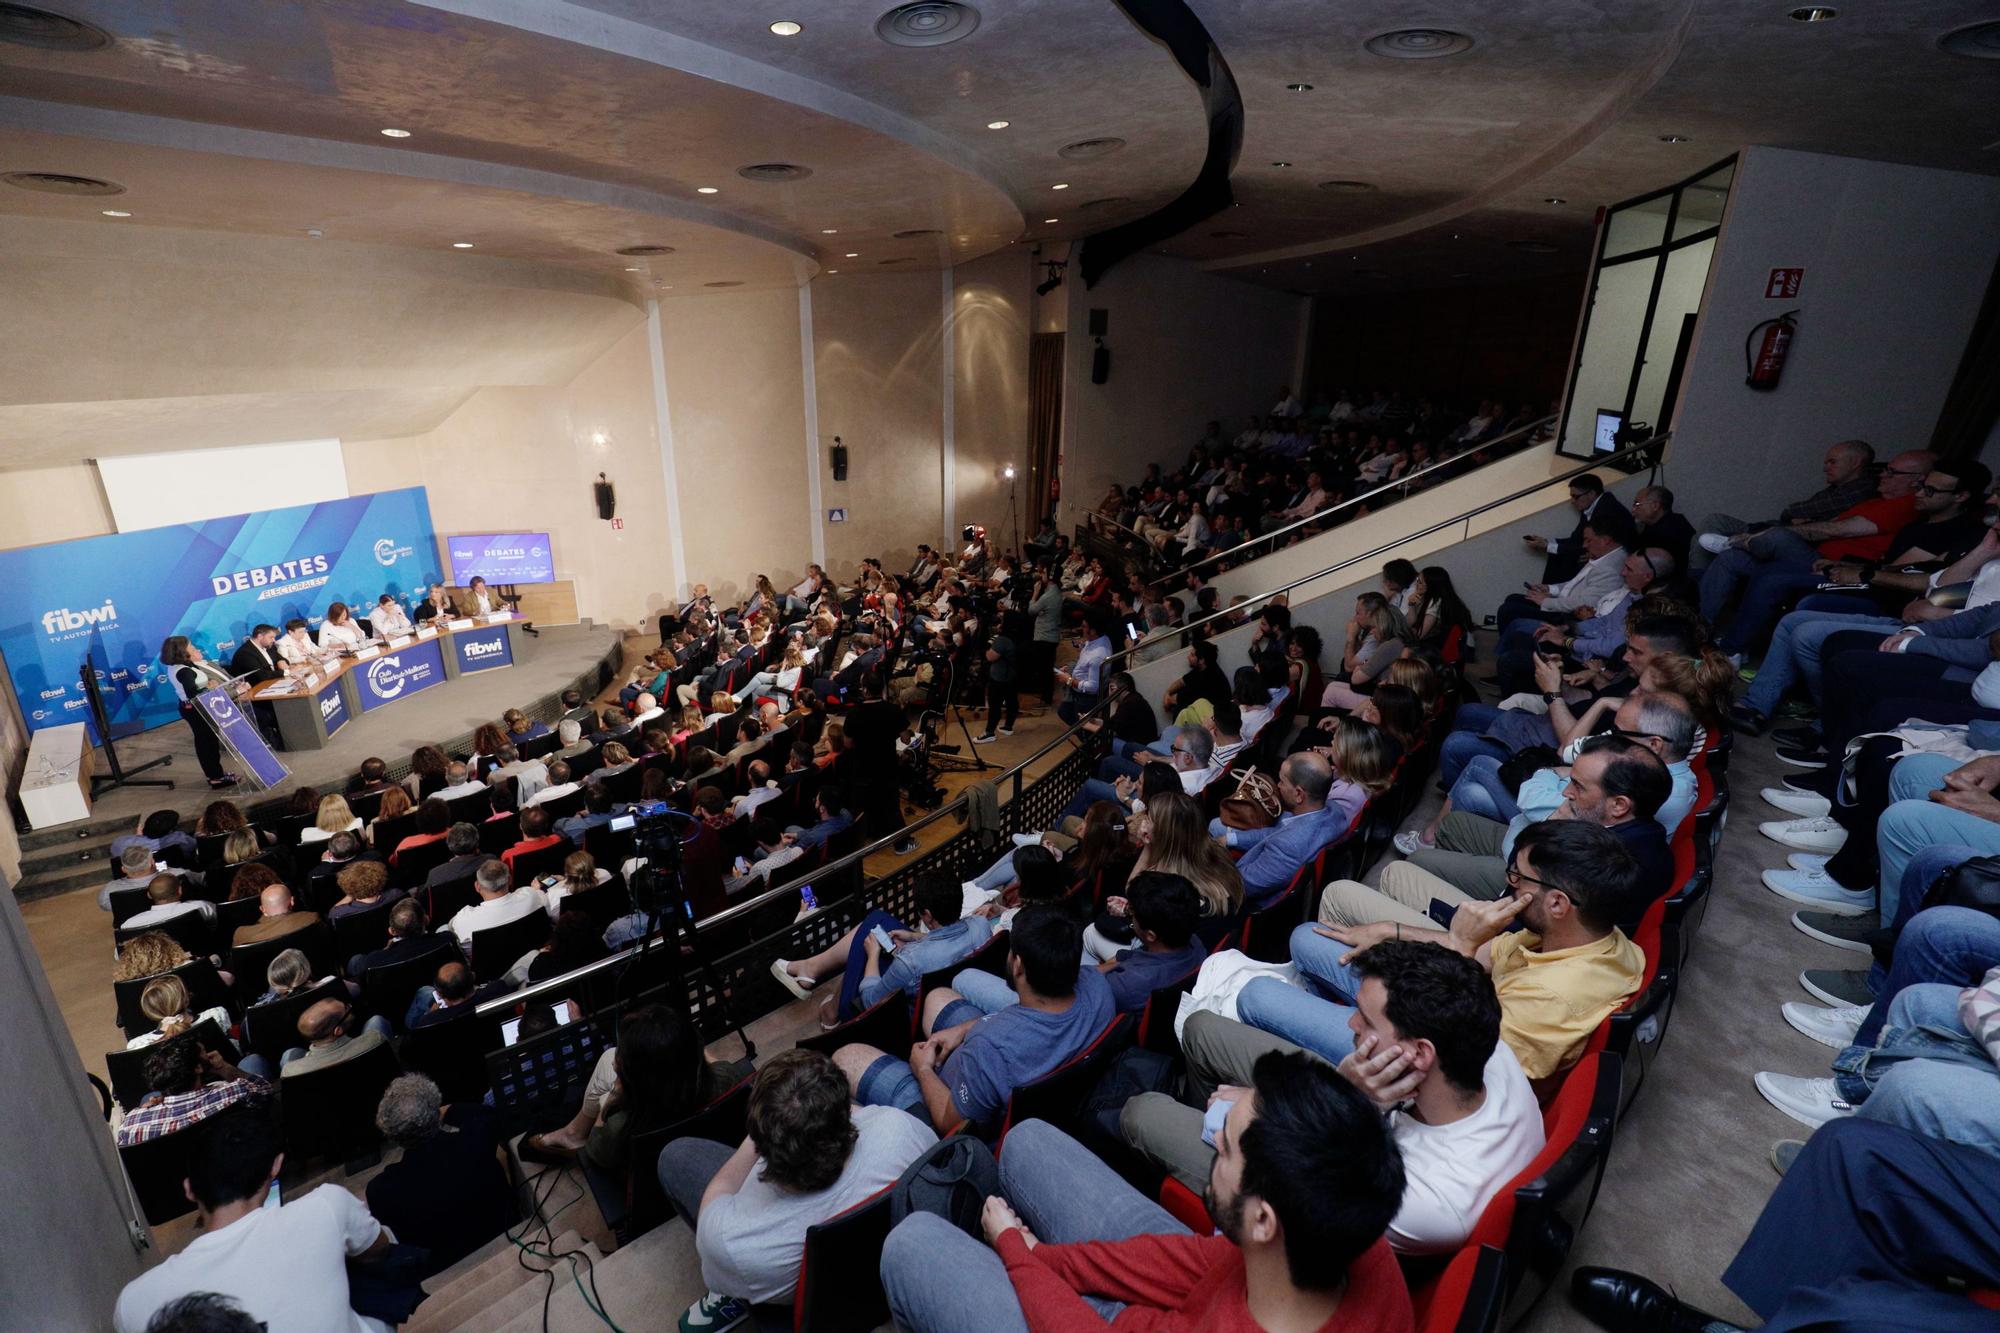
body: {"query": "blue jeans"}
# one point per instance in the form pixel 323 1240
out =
pixel 1118 766
pixel 1794 654
pixel 857 959
pixel 941 1280
pixel 1954 946
pixel 1913 823
pixel 990 993
pixel 1090 793
pixel 998 875
pixel 1920 873
pixel 1775 564
pixel 1465 741
pixel 1943 1098
pixel 1479 791
pixel 1314 1014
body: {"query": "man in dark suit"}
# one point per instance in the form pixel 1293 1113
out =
pixel 409 937
pixel 1660 526
pixel 257 661
pixel 1590 500
pixel 449 886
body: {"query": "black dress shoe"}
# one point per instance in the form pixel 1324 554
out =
pixel 1627 1303
pixel 1746 719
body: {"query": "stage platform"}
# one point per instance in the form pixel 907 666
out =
pixel 585 657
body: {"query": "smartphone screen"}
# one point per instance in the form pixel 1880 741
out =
pixel 622 824
pixel 806 897
pixel 881 937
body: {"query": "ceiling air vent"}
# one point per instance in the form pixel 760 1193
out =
pixel 54 182
pixel 1090 148
pixel 1418 43
pixel 1981 41
pixel 646 251
pixel 774 171
pixel 927 23
pixel 24 25
pixel 1346 187
pixel 916 232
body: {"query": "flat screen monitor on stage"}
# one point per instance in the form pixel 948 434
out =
pixel 502 557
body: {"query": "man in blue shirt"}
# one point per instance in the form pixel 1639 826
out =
pixel 1164 908
pixel 967 1069
pixel 831 806
pixel 1082 678
pixel 596 811
pixel 947 936
pixel 158 832
pixel 1307 825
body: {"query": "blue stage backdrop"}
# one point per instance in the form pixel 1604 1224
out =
pixel 117 598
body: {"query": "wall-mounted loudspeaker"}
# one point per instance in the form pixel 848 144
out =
pixel 839 460
pixel 1100 323
pixel 1100 364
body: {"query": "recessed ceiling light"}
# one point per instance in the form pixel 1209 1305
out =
pixel 396 134
pixel 998 124
pixel 1555 199
pixel 461 245
pixel 1046 221
pixel 833 270
pixel 706 189
pixel 829 231
pixel 631 270
pixel 1281 164
pixel 1298 87
pixel 1060 185
pixel 1814 13
pixel 786 28
pixel 852 254
pixel 1673 138
pixel 1418 43
pixel 116 213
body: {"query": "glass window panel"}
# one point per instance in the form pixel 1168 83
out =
pixel 1639 227
pixel 1610 341
pixel 1680 296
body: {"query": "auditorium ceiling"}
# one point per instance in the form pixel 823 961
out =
pixel 536 140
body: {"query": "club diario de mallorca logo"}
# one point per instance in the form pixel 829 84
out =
pixel 388 552
pixel 388 677
pixel 63 623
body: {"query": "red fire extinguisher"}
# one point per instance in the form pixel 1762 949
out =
pixel 1768 361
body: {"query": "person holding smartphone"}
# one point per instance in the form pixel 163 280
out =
pixel 869 970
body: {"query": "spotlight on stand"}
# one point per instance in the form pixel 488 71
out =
pixel 1052 276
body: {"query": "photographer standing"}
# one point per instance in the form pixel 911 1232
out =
pixel 1003 688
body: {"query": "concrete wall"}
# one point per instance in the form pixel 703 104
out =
pixel 1896 262
pixel 1186 347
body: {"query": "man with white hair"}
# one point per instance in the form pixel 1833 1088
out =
pixel 447 1192
pixel 560 784
pixel 570 732
pixel 499 901
pixel 459 781
pixel 645 708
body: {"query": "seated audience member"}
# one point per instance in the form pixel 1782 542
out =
pixel 1202 680
pixel 774 853
pixel 656 1075
pixel 1191 759
pixel 409 937
pixel 1428 1053
pixel 277 918
pixel 364 885
pixel 1659 527
pixel 169 1005
pixel 573 942
pixel 831 807
pixel 1872 1227
pixel 433 823
pixel 579 874
pixel 137 864
pixel 462 841
pixel 537 834
pixel 529 775
pixel 520 728
pixel 1591 632
pixel 1557 978
pixel 1305 1180
pixel 943 936
pixel 598 810
pixel 499 902
pixel 1764 569
pixel 287 973
pixel 1313 817
pixel 1618 784
pixel 372 776
pixel 333 817
pixel 447 1191
pixel 569 731
pixel 455 994
pixel 166 900
pixel 287 1267
pixel 148 955
pixel 1851 475
pixel 968 1066
pixel 325 1027
pixel 559 784
pixel 1163 910
pixel 189 1084
pixel 1591 502
pixel 809 1156
pixel 460 780
pixel 158 831
pixel 1602 576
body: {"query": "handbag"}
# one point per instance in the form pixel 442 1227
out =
pixel 1974 884
pixel 1254 804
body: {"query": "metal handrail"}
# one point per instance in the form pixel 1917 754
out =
pixel 1629 451
pixel 1404 480
pixel 1016 774
pixel 1092 519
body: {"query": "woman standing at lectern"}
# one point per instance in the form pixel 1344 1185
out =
pixel 192 673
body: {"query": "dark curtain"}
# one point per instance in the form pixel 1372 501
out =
pixel 1045 390
pixel 1973 404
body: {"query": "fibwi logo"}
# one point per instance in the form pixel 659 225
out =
pixel 63 620
pixel 476 648
pixel 56 693
pixel 329 704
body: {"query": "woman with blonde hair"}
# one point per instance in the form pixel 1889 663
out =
pixel 1179 845
pixel 616 760
pixel 780 682
pixel 832 742
pixel 579 873
pixel 242 847
pixel 690 722
pixel 148 955
pixel 1374 641
pixel 1420 678
pixel 335 817
pixel 167 1001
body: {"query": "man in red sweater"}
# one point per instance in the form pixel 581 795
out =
pixel 1305 1181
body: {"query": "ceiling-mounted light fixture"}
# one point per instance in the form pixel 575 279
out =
pixel 1298 87
pixel 1053 268
pixel 1815 13
pixel 1281 164
pixel 1060 185
pixel 115 213
pixel 829 231
pixel 1050 221
pixel 395 134
pixel 461 245
pixel 998 124
pixel 1555 199
pixel 1673 138
pixel 786 28
pixel 706 189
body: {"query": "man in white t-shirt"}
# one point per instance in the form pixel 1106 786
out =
pixel 1427 1052
pixel 499 902
pixel 284 1265
pixel 810 1154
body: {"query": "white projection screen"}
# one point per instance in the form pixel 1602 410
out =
pixel 187 486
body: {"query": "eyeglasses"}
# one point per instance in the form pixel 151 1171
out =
pixel 1903 472
pixel 1637 735
pixel 1516 878
pixel 1928 489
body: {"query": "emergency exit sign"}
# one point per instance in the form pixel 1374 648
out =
pixel 1783 284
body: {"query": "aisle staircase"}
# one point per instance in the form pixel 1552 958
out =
pixel 498 1289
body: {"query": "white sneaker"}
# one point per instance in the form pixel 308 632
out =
pixel 1810 1101
pixel 1816 888
pixel 1829 1026
pixel 1412 842
pixel 1807 861
pixel 1820 835
pixel 1712 542
pixel 1027 839
pixel 1006 731
pixel 1804 804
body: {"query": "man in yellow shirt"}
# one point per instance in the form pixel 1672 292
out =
pixel 1557 979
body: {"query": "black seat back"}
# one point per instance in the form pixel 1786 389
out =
pixel 454 1054
pixel 204 986
pixel 247 963
pixel 498 948
pixel 127 1069
pixel 497 835
pixel 531 866
pixel 388 832
pixel 388 988
pixel 361 932
pixel 603 904
pixel 127 903
pixel 721 1121
pixel 329 1113
pixel 272 1028
pixel 158 1168
pixel 190 930
pixel 840 1278
pixel 416 863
